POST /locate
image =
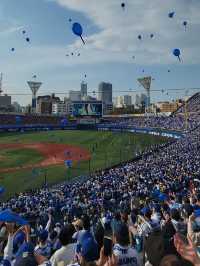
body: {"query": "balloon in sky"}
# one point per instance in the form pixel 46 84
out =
pixel 143 70
pixel 139 37
pixel 171 14
pixel 12 49
pixel 151 35
pixel 168 71
pixel 78 54
pixel 72 54
pixel 185 24
pixel 28 39
pixel 78 30
pixel 23 32
pixel 70 20
pixel 123 5
pixel 85 76
pixel 177 53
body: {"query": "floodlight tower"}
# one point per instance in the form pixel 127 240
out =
pixel 34 86
pixel 146 83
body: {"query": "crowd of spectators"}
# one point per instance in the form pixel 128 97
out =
pixel 145 212
pixel 179 122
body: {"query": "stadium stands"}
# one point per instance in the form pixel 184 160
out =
pixel 142 207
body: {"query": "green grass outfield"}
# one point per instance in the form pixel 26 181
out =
pixel 112 148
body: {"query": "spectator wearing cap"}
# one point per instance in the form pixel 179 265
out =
pixel 43 248
pixel 67 252
pixel 125 254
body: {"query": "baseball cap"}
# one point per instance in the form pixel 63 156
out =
pixel 43 235
pixel 89 249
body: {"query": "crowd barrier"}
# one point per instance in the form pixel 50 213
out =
pixel 151 131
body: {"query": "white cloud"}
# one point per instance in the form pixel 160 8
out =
pixel 116 39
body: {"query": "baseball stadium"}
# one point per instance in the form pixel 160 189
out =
pixel 107 174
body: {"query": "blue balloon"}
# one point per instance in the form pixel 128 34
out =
pixel 70 20
pixel 123 5
pixel 23 32
pixel 171 14
pixel 177 52
pixel 78 30
pixel 28 39
pixel 151 35
pixel 12 49
pixel 139 37
pixel 185 24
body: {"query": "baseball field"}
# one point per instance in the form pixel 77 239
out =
pixel 28 160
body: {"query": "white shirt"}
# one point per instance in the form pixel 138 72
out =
pixel 127 256
pixel 64 254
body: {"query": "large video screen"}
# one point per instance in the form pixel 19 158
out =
pixel 87 109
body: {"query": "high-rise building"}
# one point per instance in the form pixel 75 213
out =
pixel 127 101
pixel 75 95
pixel 105 95
pixel 83 89
pixel 105 92
pixel 119 102
pixel 141 100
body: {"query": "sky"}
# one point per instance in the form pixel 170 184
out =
pixel 111 36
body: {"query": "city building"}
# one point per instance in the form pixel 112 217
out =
pixel 105 92
pixel 17 108
pixel 62 108
pixel 167 107
pixel 105 95
pixel 119 102
pixel 127 100
pixel 44 103
pixel 83 90
pixel 141 100
pixel 5 103
pixel 75 95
